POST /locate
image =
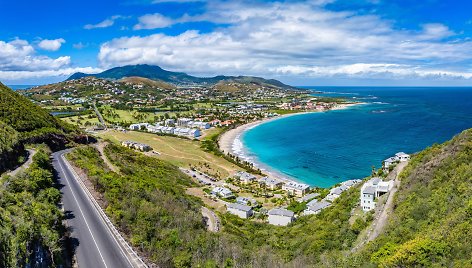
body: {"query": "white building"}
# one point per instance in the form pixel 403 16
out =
pixel 387 163
pixel 402 157
pixel 169 122
pixel 280 216
pixel 138 146
pixel 139 126
pixel 247 201
pixel 239 210
pixel 270 183
pixel 184 122
pixel 315 207
pixel 244 177
pixel 336 192
pixel 373 189
pixel 294 188
pixel 222 192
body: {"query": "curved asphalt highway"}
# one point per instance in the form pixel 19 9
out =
pixel 97 246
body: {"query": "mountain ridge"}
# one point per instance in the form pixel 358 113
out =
pixel 154 72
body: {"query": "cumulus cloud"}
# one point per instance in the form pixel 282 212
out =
pixel 51 45
pixel 19 60
pixel 268 38
pixel 153 21
pixel 105 23
pixel 22 75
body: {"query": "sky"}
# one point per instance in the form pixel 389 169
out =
pixel 312 42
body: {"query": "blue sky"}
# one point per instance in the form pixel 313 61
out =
pixel 315 42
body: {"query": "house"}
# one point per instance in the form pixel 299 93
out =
pixel 138 146
pixel 336 192
pixel 350 183
pixel 315 207
pixel 222 192
pixel 402 157
pixel 308 197
pixel 373 189
pixel 387 163
pixel 184 122
pixel 281 217
pixel 138 126
pixel 244 177
pixel 194 133
pixel 270 183
pixel 294 188
pixel 247 201
pixel 169 122
pixel 239 210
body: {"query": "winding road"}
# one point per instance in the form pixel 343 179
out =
pixel 98 244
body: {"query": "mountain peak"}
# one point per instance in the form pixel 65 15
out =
pixel 155 72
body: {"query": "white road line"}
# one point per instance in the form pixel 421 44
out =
pixel 81 212
pixel 104 218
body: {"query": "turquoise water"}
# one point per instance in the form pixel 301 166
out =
pixel 322 149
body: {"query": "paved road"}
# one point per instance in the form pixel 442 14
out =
pixel 98 245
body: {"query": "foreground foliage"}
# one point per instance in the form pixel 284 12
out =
pixel 31 227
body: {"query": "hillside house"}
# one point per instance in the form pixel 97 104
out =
pixel 239 210
pixel 281 217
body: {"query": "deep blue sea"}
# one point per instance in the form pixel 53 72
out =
pixel 18 87
pixel 322 149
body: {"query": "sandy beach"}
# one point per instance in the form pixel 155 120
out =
pixel 230 141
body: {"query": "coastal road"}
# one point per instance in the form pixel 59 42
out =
pixel 98 242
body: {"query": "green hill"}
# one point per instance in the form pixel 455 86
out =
pixel 23 122
pixel 178 78
pixel 431 224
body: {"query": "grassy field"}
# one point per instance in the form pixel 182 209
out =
pixel 81 120
pixel 180 152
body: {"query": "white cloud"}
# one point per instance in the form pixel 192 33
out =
pixel 19 61
pixel 22 75
pixel 153 21
pixel 79 45
pixel 105 23
pixel 51 45
pixel 265 38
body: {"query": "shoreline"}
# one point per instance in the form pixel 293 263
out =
pixel 230 142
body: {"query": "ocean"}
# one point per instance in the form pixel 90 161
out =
pixel 19 87
pixel 322 149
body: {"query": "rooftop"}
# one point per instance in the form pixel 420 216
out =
pixel 281 212
pixel 239 207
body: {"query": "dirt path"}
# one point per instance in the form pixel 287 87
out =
pixel 100 147
pixel 213 223
pixel 379 224
pixel 24 166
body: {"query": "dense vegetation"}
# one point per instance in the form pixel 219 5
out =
pixel 147 201
pixel 431 224
pixel 22 122
pixel 31 227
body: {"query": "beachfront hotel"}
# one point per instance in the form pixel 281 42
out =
pixel 294 188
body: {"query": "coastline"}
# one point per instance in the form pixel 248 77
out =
pixel 230 141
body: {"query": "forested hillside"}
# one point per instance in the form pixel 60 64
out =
pixel 23 122
pixel 31 229
pixel 431 225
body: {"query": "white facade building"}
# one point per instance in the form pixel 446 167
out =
pixel 270 183
pixel 294 188
pixel 373 189
pixel 315 207
pixel 239 210
pixel 281 217
pixel 222 192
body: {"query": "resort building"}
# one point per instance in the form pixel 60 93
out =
pixel 139 126
pixel 387 163
pixel 281 217
pixel 169 122
pixel 183 122
pixel 137 146
pixel 222 192
pixel 294 188
pixel 270 183
pixel 336 192
pixel 315 207
pixel 247 201
pixel 373 189
pixel 244 177
pixel 308 197
pixel 239 210
pixel 402 157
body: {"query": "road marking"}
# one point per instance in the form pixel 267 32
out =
pixel 81 212
pixel 106 222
